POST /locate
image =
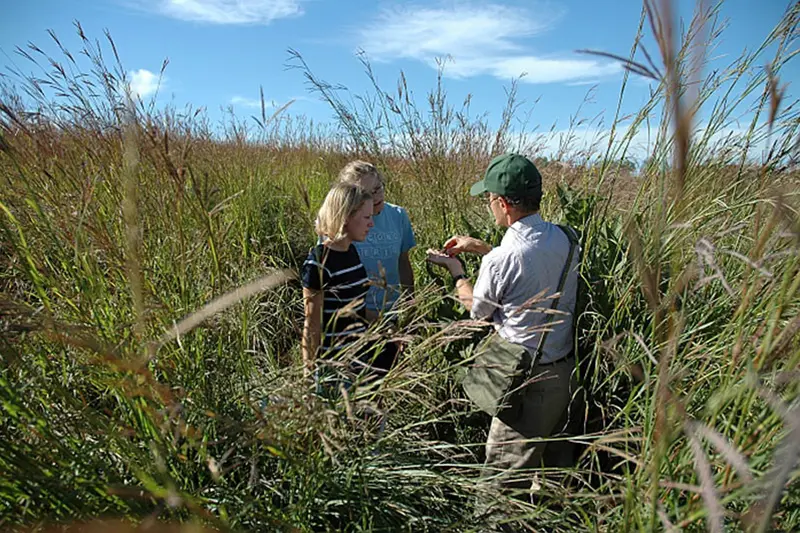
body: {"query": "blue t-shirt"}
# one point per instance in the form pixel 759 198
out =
pixel 391 236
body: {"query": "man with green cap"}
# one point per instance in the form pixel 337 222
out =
pixel 517 289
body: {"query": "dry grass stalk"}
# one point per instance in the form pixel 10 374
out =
pixel 733 456
pixel 759 517
pixel 130 162
pixel 714 512
pixel 217 305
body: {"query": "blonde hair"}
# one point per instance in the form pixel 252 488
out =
pixel 342 202
pixel 355 171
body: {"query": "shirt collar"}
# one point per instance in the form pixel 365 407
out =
pixel 522 226
pixel 380 215
pixel 530 221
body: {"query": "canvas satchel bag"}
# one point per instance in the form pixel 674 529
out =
pixel 501 368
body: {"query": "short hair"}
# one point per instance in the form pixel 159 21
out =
pixel 341 203
pixel 527 204
pixel 355 171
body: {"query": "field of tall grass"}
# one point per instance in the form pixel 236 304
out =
pixel 150 316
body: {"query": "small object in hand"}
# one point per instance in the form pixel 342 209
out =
pixel 437 256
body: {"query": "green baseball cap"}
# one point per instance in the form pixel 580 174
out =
pixel 510 175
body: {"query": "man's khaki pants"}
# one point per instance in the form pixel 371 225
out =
pixel 514 444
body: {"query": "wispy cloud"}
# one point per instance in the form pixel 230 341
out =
pixel 253 103
pixel 144 83
pixel 480 40
pixel 226 11
pixel 582 83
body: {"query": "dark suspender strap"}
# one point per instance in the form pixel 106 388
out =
pixel 564 272
pixel 572 235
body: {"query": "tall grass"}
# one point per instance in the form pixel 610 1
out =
pixel 149 321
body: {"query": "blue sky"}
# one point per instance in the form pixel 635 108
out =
pixel 221 51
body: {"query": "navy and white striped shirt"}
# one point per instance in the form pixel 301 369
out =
pixel 343 281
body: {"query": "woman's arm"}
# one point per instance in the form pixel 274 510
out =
pixel 371 315
pixel 406 272
pixel 312 327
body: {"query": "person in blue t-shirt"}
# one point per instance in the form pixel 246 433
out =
pixel 384 253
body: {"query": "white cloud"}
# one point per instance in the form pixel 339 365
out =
pixel 591 142
pixel 423 32
pixel 480 40
pixel 143 83
pixel 227 11
pixel 565 144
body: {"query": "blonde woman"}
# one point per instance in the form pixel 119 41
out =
pixel 334 280
pixel 385 250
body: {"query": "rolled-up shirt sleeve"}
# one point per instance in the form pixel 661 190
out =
pixel 487 291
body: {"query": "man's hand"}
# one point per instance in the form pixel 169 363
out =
pixel 463 286
pixel 460 244
pixel 441 258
